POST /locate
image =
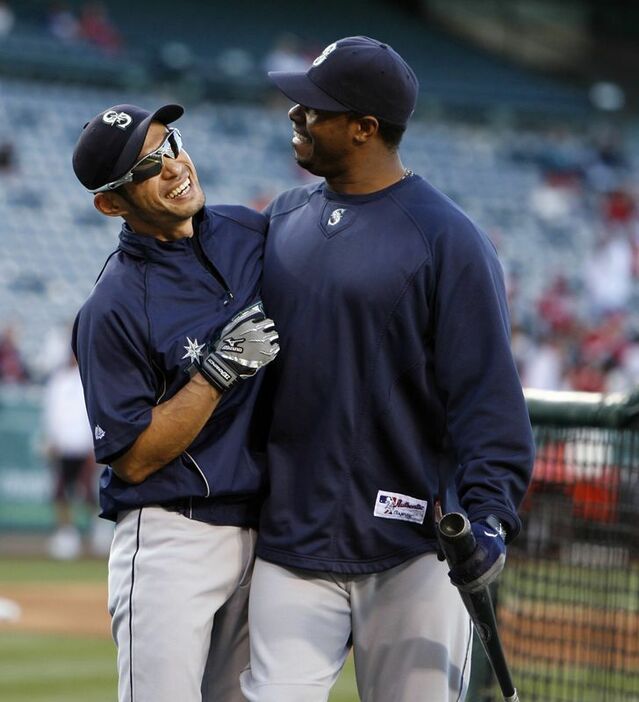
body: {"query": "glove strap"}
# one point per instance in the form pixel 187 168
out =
pixel 218 373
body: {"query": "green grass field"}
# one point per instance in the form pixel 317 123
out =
pixel 75 668
pixel 48 668
pixel 39 668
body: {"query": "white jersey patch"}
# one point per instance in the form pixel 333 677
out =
pixel 392 505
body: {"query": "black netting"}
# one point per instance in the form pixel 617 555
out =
pixel 568 600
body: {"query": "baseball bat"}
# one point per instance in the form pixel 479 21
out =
pixel 457 542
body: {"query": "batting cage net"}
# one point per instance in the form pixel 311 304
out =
pixel 568 600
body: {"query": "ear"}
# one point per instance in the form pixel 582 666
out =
pixel 366 128
pixel 110 204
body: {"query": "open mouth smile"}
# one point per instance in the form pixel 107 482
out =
pixel 181 189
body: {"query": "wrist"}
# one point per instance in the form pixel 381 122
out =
pixel 201 381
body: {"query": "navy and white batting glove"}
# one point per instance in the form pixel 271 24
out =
pixel 486 562
pixel 246 344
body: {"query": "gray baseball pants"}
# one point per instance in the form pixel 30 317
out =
pixel 178 598
pixel 410 633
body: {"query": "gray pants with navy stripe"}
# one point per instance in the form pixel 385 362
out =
pixel 178 597
pixel 410 633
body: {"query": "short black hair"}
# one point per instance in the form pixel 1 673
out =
pixel 391 134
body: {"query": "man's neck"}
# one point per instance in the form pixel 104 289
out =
pixel 368 177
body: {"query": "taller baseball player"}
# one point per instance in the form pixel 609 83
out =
pixel 395 391
pixel 167 345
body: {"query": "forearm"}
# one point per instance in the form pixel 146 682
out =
pixel 174 425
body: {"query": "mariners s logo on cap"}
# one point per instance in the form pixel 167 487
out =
pixel 322 57
pixel 118 119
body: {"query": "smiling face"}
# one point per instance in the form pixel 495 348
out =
pixel 163 205
pixel 322 141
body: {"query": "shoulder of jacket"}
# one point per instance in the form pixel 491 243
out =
pixel 292 199
pixel 119 291
pixel 244 216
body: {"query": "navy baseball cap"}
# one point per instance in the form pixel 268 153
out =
pixel 357 74
pixel 110 143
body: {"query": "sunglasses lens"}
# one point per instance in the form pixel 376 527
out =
pixel 147 168
pixel 151 165
pixel 175 142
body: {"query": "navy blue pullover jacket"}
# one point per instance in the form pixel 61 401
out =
pixel 154 306
pixel 395 385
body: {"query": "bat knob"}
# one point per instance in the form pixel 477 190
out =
pixel 452 524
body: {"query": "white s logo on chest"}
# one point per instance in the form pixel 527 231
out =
pixel 336 216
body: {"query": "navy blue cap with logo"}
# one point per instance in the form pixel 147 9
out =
pixel 355 74
pixel 110 143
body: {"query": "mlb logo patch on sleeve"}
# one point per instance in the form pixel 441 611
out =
pixel 392 505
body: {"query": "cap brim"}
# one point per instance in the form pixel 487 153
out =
pixel 166 114
pixel 129 156
pixel 299 88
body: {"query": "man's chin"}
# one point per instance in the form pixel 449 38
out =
pixel 306 164
pixel 197 204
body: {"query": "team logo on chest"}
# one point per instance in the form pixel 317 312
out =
pixel 336 216
pixel 193 350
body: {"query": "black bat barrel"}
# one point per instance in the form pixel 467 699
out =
pixel 456 534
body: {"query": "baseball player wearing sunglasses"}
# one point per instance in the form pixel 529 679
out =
pixel 169 345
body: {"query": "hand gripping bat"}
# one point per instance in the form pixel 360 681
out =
pixel 457 543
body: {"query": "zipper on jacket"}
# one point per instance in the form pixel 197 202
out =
pixel 202 258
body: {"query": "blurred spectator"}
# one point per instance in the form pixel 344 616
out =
pixel 62 22
pixel 608 272
pixel 543 368
pixel 12 368
pixel 554 199
pixel 68 445
pixel 98 29
pixel 618 207
pixel 8 161
pixel 286 55
pixel 608 163
pixel 586 377
pixel 557 307
pixel 604 342
pixel 7 18
pixel 54 351
pixel 625 375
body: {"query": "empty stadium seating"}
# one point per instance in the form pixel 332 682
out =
pixel 54 242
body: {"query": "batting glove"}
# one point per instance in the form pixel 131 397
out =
pixel 486 562
pixel 246 344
